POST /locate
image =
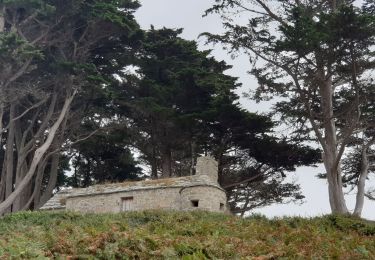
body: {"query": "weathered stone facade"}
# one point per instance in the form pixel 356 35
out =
pixel 200 191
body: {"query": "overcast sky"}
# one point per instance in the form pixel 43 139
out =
pixel 187 14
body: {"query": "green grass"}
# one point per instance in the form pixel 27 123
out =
pixel 182 235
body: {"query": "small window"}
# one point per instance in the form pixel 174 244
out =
pixel 221 206
pixel 127 204
pixel 63 201
pixel 195 203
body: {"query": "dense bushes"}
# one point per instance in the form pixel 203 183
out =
pixel 187 235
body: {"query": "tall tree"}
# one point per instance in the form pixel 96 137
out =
pixel 317 55
pixel 171 98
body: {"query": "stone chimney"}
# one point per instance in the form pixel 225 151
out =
pixel 207 167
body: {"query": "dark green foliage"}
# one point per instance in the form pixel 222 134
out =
pixel 352 224
pixel 105 157
pixel 175 99
pixel 180 104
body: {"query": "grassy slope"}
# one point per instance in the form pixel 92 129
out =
pixel 171 235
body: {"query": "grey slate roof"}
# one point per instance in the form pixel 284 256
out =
pixel 58 200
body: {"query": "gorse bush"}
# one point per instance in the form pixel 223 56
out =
pixel 182 235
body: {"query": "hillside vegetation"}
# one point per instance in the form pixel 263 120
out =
pixel 186 235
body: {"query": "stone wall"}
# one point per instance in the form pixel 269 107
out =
pixel 197 192
pixel 172 198
pixel 207 167
pixel 209 198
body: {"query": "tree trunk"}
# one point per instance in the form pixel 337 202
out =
pixel 361 183
pixel 154 164
pixel 2 181
pixel 2 20
pixel 335 191
pixel 38 156
pixel 21 168
pixel 38 185
pixel 51 182
pixel 193 156
pixel 330 156
pixel 20 173
pixel 39 201
pixel 154 160
pixel 166 158
pixel 1 122
pixel 365 167
pixel 9 155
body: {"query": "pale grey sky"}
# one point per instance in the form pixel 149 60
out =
pixel 187 14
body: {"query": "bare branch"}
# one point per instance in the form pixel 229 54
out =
pixel 19 73
pixel 30 108
pixel 270 13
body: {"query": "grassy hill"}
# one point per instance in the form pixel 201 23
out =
pixel 189 235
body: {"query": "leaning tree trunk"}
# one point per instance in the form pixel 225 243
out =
pixel 41 199
pixel 38 156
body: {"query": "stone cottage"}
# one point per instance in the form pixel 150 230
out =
pixel 200 191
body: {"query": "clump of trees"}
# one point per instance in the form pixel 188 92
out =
pixel 83 90
pixel 47 56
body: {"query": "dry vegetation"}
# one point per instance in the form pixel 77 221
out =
pixel 188 235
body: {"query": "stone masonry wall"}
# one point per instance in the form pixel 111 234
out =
pixel 207 167
pixel 172 198
pixel 210 198
pixel 197 192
